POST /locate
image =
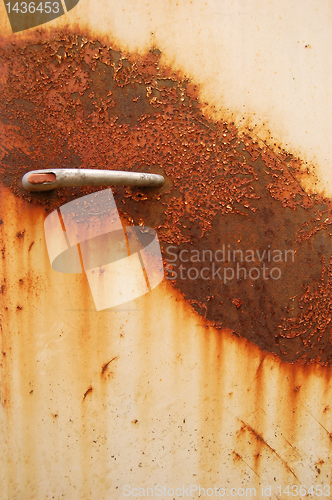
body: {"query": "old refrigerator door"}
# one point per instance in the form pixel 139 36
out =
pixel 170 341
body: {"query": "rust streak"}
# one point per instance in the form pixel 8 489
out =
pixel 258 369
pixel 295 450
pixel 262 440
pixel 88 391
pixel 241 458
pixel 318 422
pixel 105 366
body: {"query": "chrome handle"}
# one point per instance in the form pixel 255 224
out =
pixel 46 180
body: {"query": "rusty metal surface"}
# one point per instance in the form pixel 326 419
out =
pixel 199 381
pixel 94 107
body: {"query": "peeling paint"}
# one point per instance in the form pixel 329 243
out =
pixel 223 190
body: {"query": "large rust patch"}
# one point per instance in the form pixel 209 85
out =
pixel 72 102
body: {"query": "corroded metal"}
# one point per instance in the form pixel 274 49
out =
pixel 199 381
pixel 224 192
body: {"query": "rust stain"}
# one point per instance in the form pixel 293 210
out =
pixel 105 366
pixel 175 372
pixel 262 440
pixel 88 391
pixel 41 178
pixel 237 456
pixel 225 192
pixel 321 425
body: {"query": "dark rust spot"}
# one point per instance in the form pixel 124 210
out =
pixel 224 191
pixel 105 366
pixel 88 391
pixel 20 234
pixel 19 308
pixel 237 302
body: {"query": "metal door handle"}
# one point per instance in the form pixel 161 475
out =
pixel 46 180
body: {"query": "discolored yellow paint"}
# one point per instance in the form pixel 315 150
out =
pixel 142 394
